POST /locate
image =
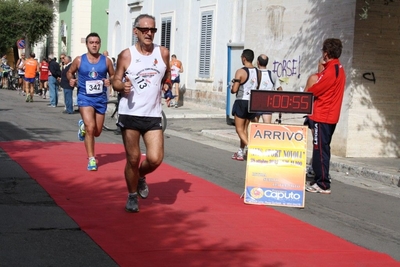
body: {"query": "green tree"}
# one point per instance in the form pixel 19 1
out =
pixel 31 20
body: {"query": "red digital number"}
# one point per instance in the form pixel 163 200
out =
pixel 285 101
pixel 296 102
pixel 304 102
pixel 276 101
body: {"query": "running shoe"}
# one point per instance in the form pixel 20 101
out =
pixel 81 131
pixel 30 99
pixel 142 188
pixel 132 204
pixel 27 98
pixel 238 155
pixel 316 189
pixel 92 165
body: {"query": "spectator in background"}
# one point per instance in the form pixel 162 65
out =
pixel 176 68
pixel 67 88
pixel 327 87
pixel 54 75
pixel 6 71
pixel 62 57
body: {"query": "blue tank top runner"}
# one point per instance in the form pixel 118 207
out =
pixel 90 76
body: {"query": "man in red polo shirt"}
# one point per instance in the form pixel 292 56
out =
pixel 328 88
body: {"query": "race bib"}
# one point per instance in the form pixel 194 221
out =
pixel 94 87
pixel 139 83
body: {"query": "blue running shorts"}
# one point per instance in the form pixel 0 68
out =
pixel 29 80
pixel 99 103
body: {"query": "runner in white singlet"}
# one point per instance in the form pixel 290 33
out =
pixel 142 73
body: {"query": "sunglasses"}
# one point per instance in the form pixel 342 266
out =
pixel 146 30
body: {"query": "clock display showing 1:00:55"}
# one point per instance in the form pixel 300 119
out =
pixel 281 101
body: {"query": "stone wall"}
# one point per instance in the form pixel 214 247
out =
pixel 374 110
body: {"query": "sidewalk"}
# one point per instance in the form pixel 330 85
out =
pixel 384 170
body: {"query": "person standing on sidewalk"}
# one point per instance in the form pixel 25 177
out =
pixel 31 67
pixel 246 79
pixel 269 81
pixel 67 88
pixel 328 89
pixel 92 69
pixel 176 68
pixel 54 76
pixel 147 70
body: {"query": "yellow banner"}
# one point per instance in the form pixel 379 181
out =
pixel 276 165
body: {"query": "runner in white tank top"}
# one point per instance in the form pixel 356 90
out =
pixel 142 73
pixel 146 78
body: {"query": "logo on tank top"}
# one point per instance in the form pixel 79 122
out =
pixel 93 74
pixel 155 62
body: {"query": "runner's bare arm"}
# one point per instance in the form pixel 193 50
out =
pixel 72 70
pixel 237 80
pixel 123 62
pixel 167 76
pixel 110 70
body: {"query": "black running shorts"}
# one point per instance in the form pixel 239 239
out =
pixel 241 109
pixel 141 124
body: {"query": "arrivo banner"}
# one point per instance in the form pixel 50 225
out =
pixel 276 165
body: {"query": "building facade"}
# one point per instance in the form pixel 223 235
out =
pixel 208 36
pixel 74 20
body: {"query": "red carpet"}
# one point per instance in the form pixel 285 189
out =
pixel 186 221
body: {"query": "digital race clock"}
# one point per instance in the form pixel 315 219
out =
pixel 281 101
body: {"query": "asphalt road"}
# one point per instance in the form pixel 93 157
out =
pixel 364 215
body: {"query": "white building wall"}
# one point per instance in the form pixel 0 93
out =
pixel 291 34
pixel 185 39
pixel 80 26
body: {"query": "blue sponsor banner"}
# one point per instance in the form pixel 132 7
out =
pixel 273 196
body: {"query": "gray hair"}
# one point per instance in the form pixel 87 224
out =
pixel 136 23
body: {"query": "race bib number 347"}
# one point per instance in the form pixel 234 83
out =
pixel 94 87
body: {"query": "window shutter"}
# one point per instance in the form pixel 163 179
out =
pixel 205 44
pixel 166 32
pixel 134 37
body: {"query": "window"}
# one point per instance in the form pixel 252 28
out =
pixel 134 37
pixel 205 44
pixel 166 32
